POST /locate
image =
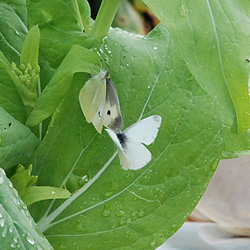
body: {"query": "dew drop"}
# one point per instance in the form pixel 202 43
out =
pixel 106 213
pixel 155 48
pixel 12 245
pixel 30 240
pixel 134 213
pixel 1 180
pixel 140 213
pixel 107 194
pixel 152 243
pixel 122 222
pixel 120 213
pixel 129 220
pixel 2 222
pixel 182 10
pixel 4 232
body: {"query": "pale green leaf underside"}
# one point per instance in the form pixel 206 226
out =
pixel 34 194
pixel 17 228
pixel 213 38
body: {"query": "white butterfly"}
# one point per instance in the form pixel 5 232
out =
pixel 133 154
pixel 99 102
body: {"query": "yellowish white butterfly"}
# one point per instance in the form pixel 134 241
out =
pixel 99 102
pixel 133 154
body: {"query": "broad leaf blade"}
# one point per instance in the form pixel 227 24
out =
pixel 17 141
pixel 142 207
pixel 214 45
pixel 17 228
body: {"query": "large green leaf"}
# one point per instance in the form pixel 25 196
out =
pixel 17 142
pixel 132 209
pixel 17 228
pixel 213 39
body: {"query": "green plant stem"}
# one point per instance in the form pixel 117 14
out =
pixel 104 18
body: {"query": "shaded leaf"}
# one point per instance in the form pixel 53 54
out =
pixel 17 142
pixel 58 21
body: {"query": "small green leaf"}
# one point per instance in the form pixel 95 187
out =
pixel 23 182
pixel 33 194
pixel 79 59
pixel 17 228
pixel 17 142
pixel 30 50
pixel 23 178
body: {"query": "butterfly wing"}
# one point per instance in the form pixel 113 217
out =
pixel 92 99
pixel 133 155
pixel 112 117
pixel 144 131
pixel 97 120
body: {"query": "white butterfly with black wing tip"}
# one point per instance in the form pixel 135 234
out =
pixel 133 154
pixel 99 102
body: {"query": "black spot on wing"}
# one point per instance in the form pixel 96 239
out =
pixel 122 139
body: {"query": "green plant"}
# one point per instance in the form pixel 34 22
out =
pixel 191 70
